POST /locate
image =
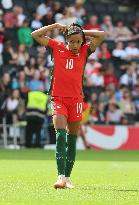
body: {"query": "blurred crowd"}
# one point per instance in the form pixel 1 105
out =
pixel 111 83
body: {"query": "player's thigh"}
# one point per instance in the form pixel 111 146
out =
pixel 59 121
pixel 73 127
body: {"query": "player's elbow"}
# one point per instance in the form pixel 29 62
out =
pixel 103 35
pixel 33 34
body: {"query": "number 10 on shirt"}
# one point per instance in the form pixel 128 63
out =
pixel 69 64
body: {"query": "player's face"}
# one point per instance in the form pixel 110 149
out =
pixel 75 42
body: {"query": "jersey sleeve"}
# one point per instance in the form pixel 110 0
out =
pixel 53 44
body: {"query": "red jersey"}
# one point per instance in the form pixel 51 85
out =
pixel 110 78
pixel 68 69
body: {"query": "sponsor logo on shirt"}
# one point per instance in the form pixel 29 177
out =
pixel 61 51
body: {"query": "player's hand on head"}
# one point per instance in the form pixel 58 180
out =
pixel 62 28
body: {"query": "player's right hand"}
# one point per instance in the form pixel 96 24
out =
pixel 62 28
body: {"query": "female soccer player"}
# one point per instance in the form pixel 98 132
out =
pixel 66 89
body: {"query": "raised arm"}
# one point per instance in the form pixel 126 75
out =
pixel 40 34
pixel 96 37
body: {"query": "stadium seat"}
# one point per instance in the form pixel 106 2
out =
pixel 131 118
pixel 111 45
pixel 90 8
pixel 11 34
pixel 112 8
pixel 32 5
pixel 100 8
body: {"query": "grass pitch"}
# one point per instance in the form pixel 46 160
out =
pixel 100 177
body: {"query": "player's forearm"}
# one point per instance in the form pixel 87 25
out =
pixel 42 31
pixel 94 33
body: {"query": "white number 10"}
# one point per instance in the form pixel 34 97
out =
pixel 69 64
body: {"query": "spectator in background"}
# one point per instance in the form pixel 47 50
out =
pixel 24 34
pixel 136 103
pixel 129 78
pixel 101 114
pixel 120 92
pixel 36 83
pixel 124 120
pixel 67 17
pixel 93 98
pixel 5 86
pixel 135 90
pixel 78 9
pixel 93 23
pixel 104 97
pixel 40 61
pixel 134 28
pixel 132 51
pixel 8 4
pixel 92 65
pixel 1 20
pixel 127 106
pixel 22 55
pixel 48 18
pixel 109 77
pixel 2 36
pixel 96 79
pixel 122 33
pixel 35 115
pixel 56 7
pixel 110 92
pixel 23 84
pixel 30 68
pixel 9 55
pixel 119 51
pixel 36 22
pixel 113 114
pixel 108 27
pixel 12 103
pixel 45 78
pixel 18 11
pixel 91 68
pixel 10 19
pixel 104 53
pixel 43 8
pixel 14 18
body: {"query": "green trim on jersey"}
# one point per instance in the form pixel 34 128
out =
pixel 89 51
pixel 52 71
pixel 83 76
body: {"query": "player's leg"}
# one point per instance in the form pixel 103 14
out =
pixel 60 123
pixel 72 131
pixel 74 118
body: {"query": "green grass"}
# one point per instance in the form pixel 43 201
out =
pixel 100 177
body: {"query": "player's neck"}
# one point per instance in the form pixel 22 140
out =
pixel 71 51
